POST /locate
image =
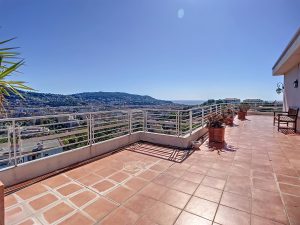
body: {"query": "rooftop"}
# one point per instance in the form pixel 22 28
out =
pixel 254 180
pixel 289 57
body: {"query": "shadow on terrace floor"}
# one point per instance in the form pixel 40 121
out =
pixel 162 152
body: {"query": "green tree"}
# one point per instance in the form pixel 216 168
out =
pixel 9 64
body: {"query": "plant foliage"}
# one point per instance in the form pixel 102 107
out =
pixel 215 121
pixel 9 65
pixel 244 107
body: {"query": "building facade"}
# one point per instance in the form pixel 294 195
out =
pixel 253 101
pixel 232 100
pixel 288 65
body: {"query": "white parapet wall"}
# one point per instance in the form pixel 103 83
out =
pixel 171 140
pixel 39 167
pixel 2 207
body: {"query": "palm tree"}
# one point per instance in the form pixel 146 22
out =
pixel 9 64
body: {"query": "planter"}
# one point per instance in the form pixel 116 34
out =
pixel 229 121
pixel 216 134
pixel 241 115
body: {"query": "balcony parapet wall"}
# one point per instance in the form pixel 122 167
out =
pixel 2 213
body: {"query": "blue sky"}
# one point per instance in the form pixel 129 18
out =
pixel 169 49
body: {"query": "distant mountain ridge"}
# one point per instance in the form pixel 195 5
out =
pixel 35 99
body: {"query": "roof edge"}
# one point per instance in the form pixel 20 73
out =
pixel 287 47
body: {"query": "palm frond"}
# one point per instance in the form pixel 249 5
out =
pixel 10 69
pixel 9 64
pixel 8 40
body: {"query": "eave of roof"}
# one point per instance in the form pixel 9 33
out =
pixel 290 44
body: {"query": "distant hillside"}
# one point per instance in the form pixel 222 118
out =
pixel 34 99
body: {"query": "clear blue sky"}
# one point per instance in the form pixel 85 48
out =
pixel 169 49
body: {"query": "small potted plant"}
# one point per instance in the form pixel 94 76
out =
pixel 228 115
pixel 243 108
pixel 216 128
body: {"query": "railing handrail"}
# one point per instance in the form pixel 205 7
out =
pixel 108 111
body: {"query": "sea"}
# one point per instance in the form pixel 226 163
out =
pixel 188 102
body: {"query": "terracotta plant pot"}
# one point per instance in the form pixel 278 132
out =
pixel 229 121
pixel 216 134
pixel 241 115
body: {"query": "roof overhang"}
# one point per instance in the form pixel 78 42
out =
pixel 289 58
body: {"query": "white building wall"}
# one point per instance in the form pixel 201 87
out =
pixel 293 94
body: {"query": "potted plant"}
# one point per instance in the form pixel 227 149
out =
pixel 216 128
pixel 243 108
pixel 228 115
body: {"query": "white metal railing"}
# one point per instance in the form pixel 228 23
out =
pixel 29 138
pixel 266 107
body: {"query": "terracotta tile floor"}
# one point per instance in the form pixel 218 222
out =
pixel 254 180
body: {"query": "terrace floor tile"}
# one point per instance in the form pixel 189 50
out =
pixel 273 212
pixel 186 218
pixel 136 183
pixel 120 194
pixel 103 186
pixel 213 182
pixel 106 172
pixel 154 191
pixel 90 179
pixel 77 219
pixel 83 198
pixel 10 200
pixel 57 212
pixel 100 208
pixel 119 177
pixel 121 216
pixel 185 186
pixel 165 179
pixel 148 175
pixel 230 216
pixel 69 189
pixel 56 181
pixel 31 191
pixel 202 207
pixel 255 220
pixel 236 201
pixel 163 214
pixel 43 201
pixel 175 198
pixel 139 204
pixel 208 193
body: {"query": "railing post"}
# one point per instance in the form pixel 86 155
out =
pixel 191 122
pixel 1 203
pixel 178 123
pixel 145 120
pixel 210 109
pixel 92 129
pixel 202 117
pixel 14 142
pixel 130 121
pixel 90 125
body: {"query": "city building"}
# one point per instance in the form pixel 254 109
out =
pixel 253 101
pixel 232 100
